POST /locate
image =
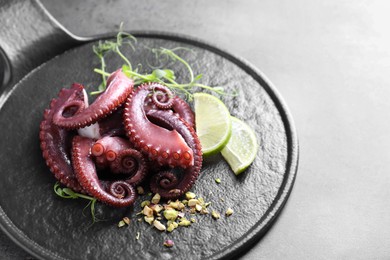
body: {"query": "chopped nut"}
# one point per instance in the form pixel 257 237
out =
pixel 157 208
pixel 149 219
pixel 140 190
pixel 218 180
pixel 126 220
pixel 176 205
pixel 184 222
pixel 198 207
pixel 160 226
pixel 204 211
pixel 145 203
pixel 215 214
pixel 156 198
pixel 192 202
pixel 190 195
pixel 168 243
pixel 121 223
pixel 147 211
pixel 171 226
pixel 229 212
pixel 193 220
pixel 170 214
pixel 207 204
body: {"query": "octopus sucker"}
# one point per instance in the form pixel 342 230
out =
pixel 187 178
pixel 157 137
pixel 107 148
pixel 54 142
pixel 120 193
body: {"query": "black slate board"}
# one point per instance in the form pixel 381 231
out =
pixel 49 227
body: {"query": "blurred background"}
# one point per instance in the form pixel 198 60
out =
pixel 330 60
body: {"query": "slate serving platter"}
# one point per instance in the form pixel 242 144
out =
pixel 50 227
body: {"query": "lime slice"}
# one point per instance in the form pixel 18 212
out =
pixel 213 123
pixel 242 147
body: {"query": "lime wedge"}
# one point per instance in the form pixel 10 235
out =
pixel 213 123
pixel 242 147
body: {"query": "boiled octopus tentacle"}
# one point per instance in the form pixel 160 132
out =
pixel 166 183
pixel 55 142
pixel 177 105
pixel 112 125
pixel 118 193
pixel 119 86
pixel 132 162
pixel 163 145
pixel 184 111
pixel 105 150
pixel 117 154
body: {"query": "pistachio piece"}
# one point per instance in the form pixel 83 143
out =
pixel 184 222
pixel 140 190
pixel 215 214
pixel 160 226
pixel 145 203
pixel 156 198
pixel 149 219
pixel 157 208
pixel 169 243
pixel 176 205
pixel 121 223
pixel 192 202
pixel 171 226
pixel 198 207
pixel 147 211
pixel 126 220
pixel 170 214
pixel 190 195
pixel 218 180
pixel 204 211
pixel 229 212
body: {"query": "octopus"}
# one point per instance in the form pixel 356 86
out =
pixel 127 136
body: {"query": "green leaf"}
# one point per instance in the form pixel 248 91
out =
pixel 157 73
pixel 169 74
pixel 198 77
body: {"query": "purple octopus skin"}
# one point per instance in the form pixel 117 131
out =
pixel 184 111
pixel 119 86
pixel 115 193
pixel 163 135
pixel 55 142
pixel 117 154
pixel 166 146
pixel 152 123
pixel 177 105
pixel 166 183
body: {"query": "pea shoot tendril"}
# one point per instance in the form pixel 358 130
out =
pixel 67 193
pixel 158 74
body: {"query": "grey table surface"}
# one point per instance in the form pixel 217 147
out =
pixel 330 60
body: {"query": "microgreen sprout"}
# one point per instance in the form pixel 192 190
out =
pixel 159 73
pixel 104 47
pixel 68 193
